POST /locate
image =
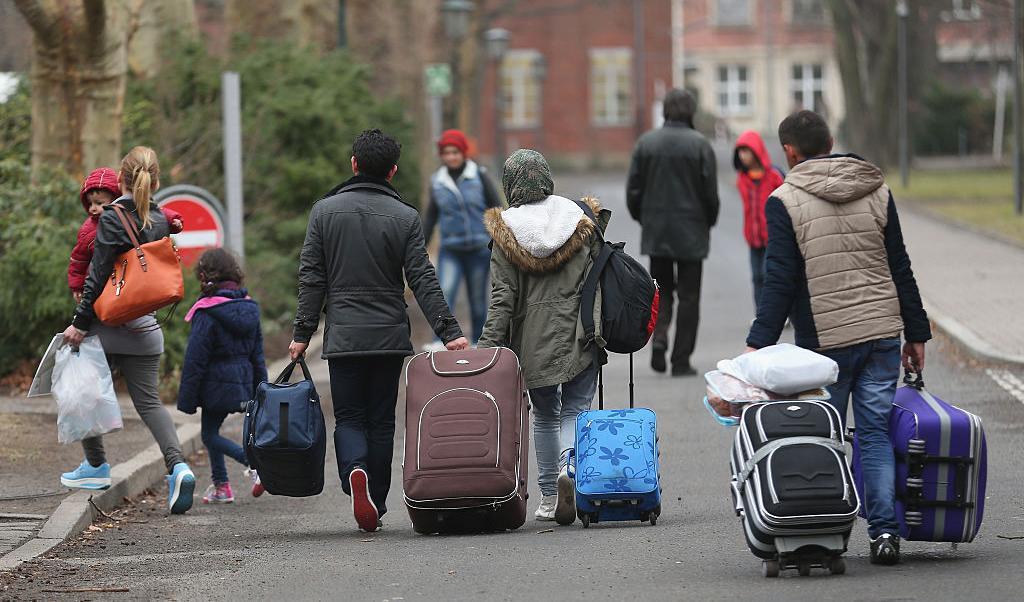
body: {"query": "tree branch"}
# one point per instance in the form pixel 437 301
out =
pixel 38 17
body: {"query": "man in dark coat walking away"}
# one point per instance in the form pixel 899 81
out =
pixel 673 192
pixel 360 240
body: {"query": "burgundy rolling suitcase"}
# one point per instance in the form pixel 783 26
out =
pixel 466 441
pixel 941 466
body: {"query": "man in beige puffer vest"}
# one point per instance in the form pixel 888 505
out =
pixel 836 264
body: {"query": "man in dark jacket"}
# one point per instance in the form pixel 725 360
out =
pixel 673 192
pixel 360 239
pixel 836 260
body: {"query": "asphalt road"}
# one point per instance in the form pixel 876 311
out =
pixel 305 549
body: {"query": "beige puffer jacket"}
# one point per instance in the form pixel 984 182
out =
pixel 838 207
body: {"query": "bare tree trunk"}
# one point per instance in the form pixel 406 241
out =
pixel 865 33
pixel 313 22
pixel 155 29
pixel 79 71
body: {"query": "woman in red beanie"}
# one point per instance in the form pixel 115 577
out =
pixel 460 192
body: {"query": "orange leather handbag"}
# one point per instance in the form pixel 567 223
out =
pixel 144 278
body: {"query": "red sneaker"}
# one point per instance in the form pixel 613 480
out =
pixel 363 507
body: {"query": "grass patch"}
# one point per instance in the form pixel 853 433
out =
pixel 982 198
pixel 954 185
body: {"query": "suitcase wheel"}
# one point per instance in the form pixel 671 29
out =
pixel 804 568
pixel 585 519
pixel 837 566
pixel 770 568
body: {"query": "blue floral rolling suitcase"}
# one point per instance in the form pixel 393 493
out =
pixel 616 463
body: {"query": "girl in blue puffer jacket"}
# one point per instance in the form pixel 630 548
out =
pixel 223 363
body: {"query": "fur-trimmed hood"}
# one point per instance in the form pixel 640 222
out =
pixel 541 237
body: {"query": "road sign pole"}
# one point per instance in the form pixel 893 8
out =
pixel 232 117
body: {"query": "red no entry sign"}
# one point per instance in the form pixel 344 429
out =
pixel 203 217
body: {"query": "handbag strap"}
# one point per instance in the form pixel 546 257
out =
pixel 133 233
pixel 286 374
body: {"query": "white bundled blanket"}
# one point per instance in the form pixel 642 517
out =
pixel 784 369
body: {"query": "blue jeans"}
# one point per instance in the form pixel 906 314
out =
pixel 757 273
pixel 870 371
pixel 217 446
pixel 554 423
pixel 474 266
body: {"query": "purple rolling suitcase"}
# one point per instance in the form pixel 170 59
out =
pixel 941 466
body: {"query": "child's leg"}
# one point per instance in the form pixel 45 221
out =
pixel 217 446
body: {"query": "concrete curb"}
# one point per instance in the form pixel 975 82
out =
pixel 967 339
pixel 76 512
pixel 129 479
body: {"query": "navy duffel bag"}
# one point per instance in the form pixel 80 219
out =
pixel 285 437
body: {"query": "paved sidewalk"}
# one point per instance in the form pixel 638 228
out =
pixel 973 286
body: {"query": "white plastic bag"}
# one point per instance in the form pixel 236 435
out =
pixel 84 390
pixel 43 379
pixel 785 369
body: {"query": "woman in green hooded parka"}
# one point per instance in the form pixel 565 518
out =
pixel 543 248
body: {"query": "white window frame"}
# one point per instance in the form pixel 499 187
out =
pixel 733 87
pixel 807 85
pixel 720 22
pixel 612 113
pixel 518 83
pixel 807 23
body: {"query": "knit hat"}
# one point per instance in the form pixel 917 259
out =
pixel 453 138
pixel 527 178
pixel 103 178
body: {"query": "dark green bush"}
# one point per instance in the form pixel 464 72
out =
pixel 953 121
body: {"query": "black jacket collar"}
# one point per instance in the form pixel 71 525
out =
pixel 365 182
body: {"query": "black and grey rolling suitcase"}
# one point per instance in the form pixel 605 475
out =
pixel 792 486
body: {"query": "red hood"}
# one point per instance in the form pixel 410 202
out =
pixel 753 141
pixel 103 178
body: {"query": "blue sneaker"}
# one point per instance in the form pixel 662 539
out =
pixel 181 484
pixel 87 476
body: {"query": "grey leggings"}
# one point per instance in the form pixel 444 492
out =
pixel 141 373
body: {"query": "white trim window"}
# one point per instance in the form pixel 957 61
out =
pixel 611 86
pixel 807 12
pixel 521 89
pixel 962 10
pixel 734 90
pixel 733 13
pixel 808 86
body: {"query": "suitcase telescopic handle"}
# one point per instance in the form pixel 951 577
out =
pixel 600 384
pixel 286 374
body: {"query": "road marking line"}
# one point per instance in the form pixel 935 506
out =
pixel 1009 382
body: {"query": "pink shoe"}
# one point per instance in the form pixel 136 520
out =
pixel 257 486
pixel 218 493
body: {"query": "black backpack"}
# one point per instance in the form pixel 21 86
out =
pixel 629 298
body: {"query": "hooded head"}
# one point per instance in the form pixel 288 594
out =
pixel 752 140
pixel 527 178
pixel 102 179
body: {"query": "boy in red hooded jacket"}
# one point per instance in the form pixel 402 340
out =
pixel 756 178
pixel 99 189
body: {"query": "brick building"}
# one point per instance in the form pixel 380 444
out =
pixel 609 62
pixel 752 62
pixel 605 64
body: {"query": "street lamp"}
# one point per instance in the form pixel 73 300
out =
pixel 455 19
pixel 455 16
pixel 496 43
pixel 902 12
